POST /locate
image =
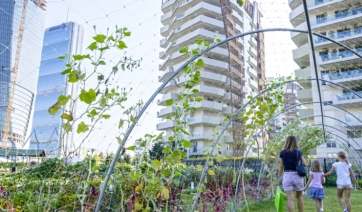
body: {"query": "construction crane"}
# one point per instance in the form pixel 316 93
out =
pixel 7 135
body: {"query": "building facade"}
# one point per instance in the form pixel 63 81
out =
pixel 231 71
pixel 64 39
pixel 292 108
pixel 29 48
pixel 340 20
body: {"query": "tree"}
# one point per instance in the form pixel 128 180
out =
pixel 156 152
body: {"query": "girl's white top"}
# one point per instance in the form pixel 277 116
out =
pixel 343 176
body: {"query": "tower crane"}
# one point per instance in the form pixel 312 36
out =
pixel 14 75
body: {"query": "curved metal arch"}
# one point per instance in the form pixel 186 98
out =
pixel 291 107
pixel 305 103
pixel 296 105
pixel 334 128
pixel 338 121
pixel 130 129
pixel 260 172
pixel 345 141
pixel 234 117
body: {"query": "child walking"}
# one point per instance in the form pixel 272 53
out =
pixel 316 179
pixel 344 173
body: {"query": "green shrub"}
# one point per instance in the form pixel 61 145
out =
pixel 360 183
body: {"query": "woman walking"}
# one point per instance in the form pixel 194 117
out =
pixel 289 157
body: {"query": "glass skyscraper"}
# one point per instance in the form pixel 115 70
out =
pixel 64 39
pixel 33 31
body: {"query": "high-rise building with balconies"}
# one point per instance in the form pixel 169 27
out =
pixel 342 21
pixel 231 71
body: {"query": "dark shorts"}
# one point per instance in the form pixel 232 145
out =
pixel 316 193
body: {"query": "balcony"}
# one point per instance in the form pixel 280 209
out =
pixel 236 58
pixel 300 38
pixel 205 120
pixel 337 17
pixel 189 38
pixel 351 121
pixel 210 91
pixel 301 55
pixel 168 134
pixel 305 95
pixel 162 102
pixel 167 4
pixel 208 105
pixel 318 2
pixel 201 136
pixel 303 73
pixel 346 77
pixel 195 151
pixel 342 57
pixel 340 36
pixel 347 99
pixel 353 142
pixel 235 85
pixel 294 3
pixel 253 41
pixel 196 22
pixel 253 83
pixel 252 61
pixel 212 77
pixel 253 51
pixel 165 125
pixel 304 113
pixel 165 111
pixel 252 72
pixel 229 110
pixel 172 85
pixel 227 97
pixel 236 72
pixel 297 14
pixel 236 98
pixel 166 73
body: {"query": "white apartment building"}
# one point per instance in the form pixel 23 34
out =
pixel 341 20
pixel 231 71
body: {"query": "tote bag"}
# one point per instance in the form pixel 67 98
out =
pixel 279 200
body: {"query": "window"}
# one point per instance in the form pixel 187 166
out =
pixel 194 147
pixel 331 155
pixel 228 147
pixel 354 134
pixel 331 144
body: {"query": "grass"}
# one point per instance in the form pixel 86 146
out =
pixel 330 203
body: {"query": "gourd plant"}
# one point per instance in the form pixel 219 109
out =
pixel 98 92
pixel 153 181
pixel 254 116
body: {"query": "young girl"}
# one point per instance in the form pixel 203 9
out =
pixel 316 179
pixel 344 173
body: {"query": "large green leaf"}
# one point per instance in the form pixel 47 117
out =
pixel 82 127
pixel 100 38
pixel 87 96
